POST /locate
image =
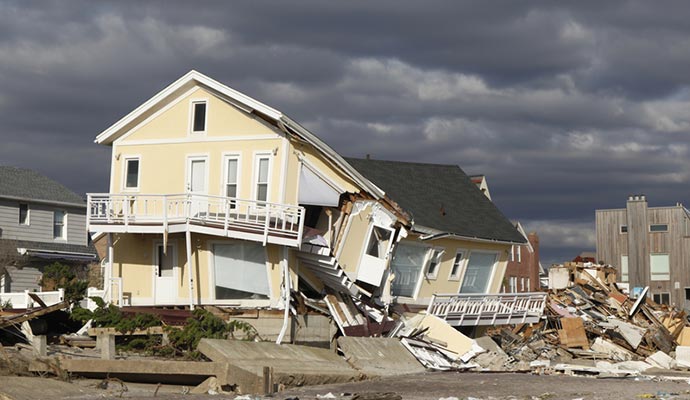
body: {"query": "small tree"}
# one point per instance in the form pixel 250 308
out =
pixel 57 275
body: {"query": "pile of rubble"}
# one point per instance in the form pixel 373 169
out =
pixel 590 325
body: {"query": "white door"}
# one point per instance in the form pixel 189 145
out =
pixel 165 291
pixel 196 185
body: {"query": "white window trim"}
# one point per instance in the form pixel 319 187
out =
pixel 439 259
pixel 188 171
pixel 660 294
pixel 238 302
pixel 258 155
pixel 493 268
pixel 422 270
pixel 28 214
pixel 518 250
pixel 620 229
pixel 224 177
pixel 125 161
pixel 461 265
pixel 176 268
pixel 192 102
pixel 64 226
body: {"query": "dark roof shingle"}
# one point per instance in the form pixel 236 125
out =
pixel 27 184
pixel 441 197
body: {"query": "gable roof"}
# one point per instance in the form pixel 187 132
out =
pixel 25 184
pixel 244 103
pixel 441 198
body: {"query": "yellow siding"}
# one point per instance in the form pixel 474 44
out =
pixel 355 235
pixel 442 283
pixel 135 257
pixel 223 119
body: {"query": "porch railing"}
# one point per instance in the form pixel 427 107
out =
pixel 488 309
pixel 226 213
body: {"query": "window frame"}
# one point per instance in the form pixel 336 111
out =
pixel 258 156
pixel 192 115
pixel 666 275
pixel 660 299
pixel 435 255
pixel 461 263
pixel 27 217
pixel 623 229
pixel 658 225
pixel 625 273
pixel 224 183
pixel 494 267
pixel 242 302
pixel 422 269
pixel 63 225
pixel 125 171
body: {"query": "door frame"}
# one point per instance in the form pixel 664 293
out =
pixel 188 172
pixel 176 269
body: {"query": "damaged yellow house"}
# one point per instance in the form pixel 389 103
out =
pixel 216 198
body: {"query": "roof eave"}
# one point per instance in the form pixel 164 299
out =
pixel 477 239
pixel 44 201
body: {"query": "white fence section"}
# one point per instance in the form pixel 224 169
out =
pixel 111 294
pixel 488 309
pixel 222 213
pixel 23 300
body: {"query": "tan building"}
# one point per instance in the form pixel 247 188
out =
pixel 650 247
pixel 216 198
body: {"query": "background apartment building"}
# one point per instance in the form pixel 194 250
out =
pixel 649 246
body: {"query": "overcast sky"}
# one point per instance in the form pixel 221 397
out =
pixel 565 109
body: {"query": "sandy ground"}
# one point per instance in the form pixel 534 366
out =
pixel 425 386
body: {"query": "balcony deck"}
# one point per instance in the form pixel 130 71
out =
pixel 253 220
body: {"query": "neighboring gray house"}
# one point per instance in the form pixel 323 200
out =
pixel 40 221
pixel 650 246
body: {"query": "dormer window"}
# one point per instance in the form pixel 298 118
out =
pixel 199 116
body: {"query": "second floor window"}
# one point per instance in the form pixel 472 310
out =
pixel 59 231
pixel 131 173
pixel 262 178
pixel 232 165
pixel 23 214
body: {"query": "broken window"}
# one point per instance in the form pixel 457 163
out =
pixel 378 242
pixel 478 273
pixel 407 265
pixel 457 263
pixel 434 264
pixel 240 271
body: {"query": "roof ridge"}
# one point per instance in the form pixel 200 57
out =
pixel 403 162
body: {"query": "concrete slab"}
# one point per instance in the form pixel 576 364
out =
pixel 379 356
pixel 291 365
pixel 164 371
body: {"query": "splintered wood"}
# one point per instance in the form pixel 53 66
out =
pixel 588 316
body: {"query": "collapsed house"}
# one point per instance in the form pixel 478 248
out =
pixel 218 199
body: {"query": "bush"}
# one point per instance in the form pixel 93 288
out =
pixel 57 275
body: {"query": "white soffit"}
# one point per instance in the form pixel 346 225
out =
pixel 315 191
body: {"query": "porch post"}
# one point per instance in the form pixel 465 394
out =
pixel 286 295
pixel 107 276
pixel 188 240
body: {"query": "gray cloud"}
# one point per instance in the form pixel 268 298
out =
pixel 565 108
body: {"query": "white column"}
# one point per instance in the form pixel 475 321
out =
pixel 108 273
pixel 188 240
pixel 286 295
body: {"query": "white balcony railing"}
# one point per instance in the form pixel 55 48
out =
pixel 23 299
pixel 226 214
pixel 488 309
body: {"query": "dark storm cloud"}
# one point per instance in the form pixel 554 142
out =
pixel 565 109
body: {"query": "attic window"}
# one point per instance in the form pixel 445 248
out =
pixel 198 116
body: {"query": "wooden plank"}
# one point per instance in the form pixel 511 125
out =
pixel 573 333
pixel 29 315
pixel 37 299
